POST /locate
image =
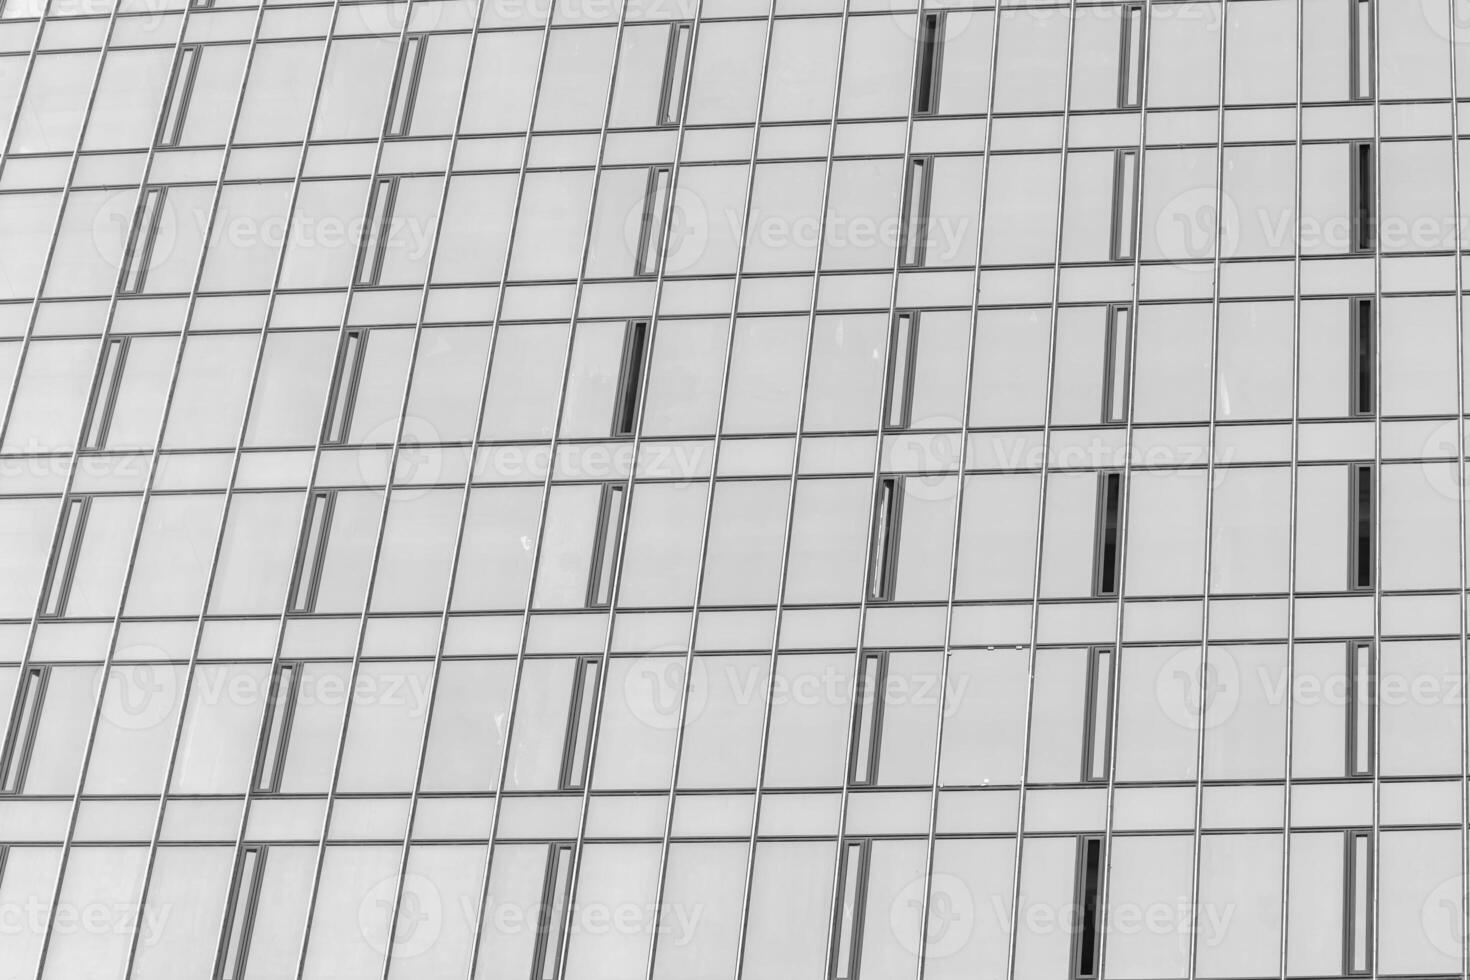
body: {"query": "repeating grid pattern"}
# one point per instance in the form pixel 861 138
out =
pixel 674 491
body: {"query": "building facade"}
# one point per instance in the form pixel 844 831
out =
pixel 712 489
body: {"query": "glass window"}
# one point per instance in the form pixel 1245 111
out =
pixel 984 724
pixel 28 220
pixel 135 729
pixel 728 58
pixel 565 561
pixel 1184 54
pixel 1008 386
pixel 575 78
pixel 1250 539
pixel 55 104
pixel 256 553
pixel 125 110
pixel 445 392
pixel 1322 530
pixel 526 370
pixel 1260 52
pixel 639 722
pixel 862 214
pixel 354 90
pixel 708 876
pixel 802 69
pixel 1153 875
pixel 51 396
pixel 499 542
pixel 106 878
pixel 743 557
pixel 551 226
pixel 1158 717
pixel 279 93
pixel 172 564
pixel 468 728
pixel 808 739
pixel 1171 380
pixel 1418 922
pixel 723 722
pixel 1021 205
pixel 350 929
pixel 1418 513
pixel 1245 713
pixel 473 238
pixel 29 872
pixel 505 63
pixel 764 390
pixel 829 540
pixel 790 909
pixel 291 388
pixel 208 403
pixel 1240 872
pixel 1418 199
pixel 242 252
pixel 1253 361
pixel 322 250
pixel 845 383
pixel 447 878
pixel 1417 336
pixel 1418 708
pixel 390 700
pixel 417 549
pixel 1032 73
pixel 187 892
pixel 877 69
pixel 1259 203
pixel 784 224
pixel 662 552
pixel 221 721
pixel 1166 532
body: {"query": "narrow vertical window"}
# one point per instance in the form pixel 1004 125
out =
pixel 882 560
pixel 180 90
pixel 1097 735
pixel 1362 560
pixel 1357 902
pixel 312 551
pixel 1363 356
pixel 343 394
pixel 1364 232
pixel 605 551
pixel 1125 188
pixel 847 933
pixel 240 914
pixel 406 84
pixel 276 731
pixel 577 746
pixel 139 252
pixel 64 555
pixel 630 378
pixel 915 232
pixel 1115 365
pixel 903 344
pixel 555 897
pixel 1107 548
pixel 655 211
pixel 867 719
pixel 1361 41
pixel 21 736
pixel 104 393
pixel 1088 908
pixel 931 48
pixel 376 227
pixel 1361 676
pixel 1130 58
pixel 676 70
